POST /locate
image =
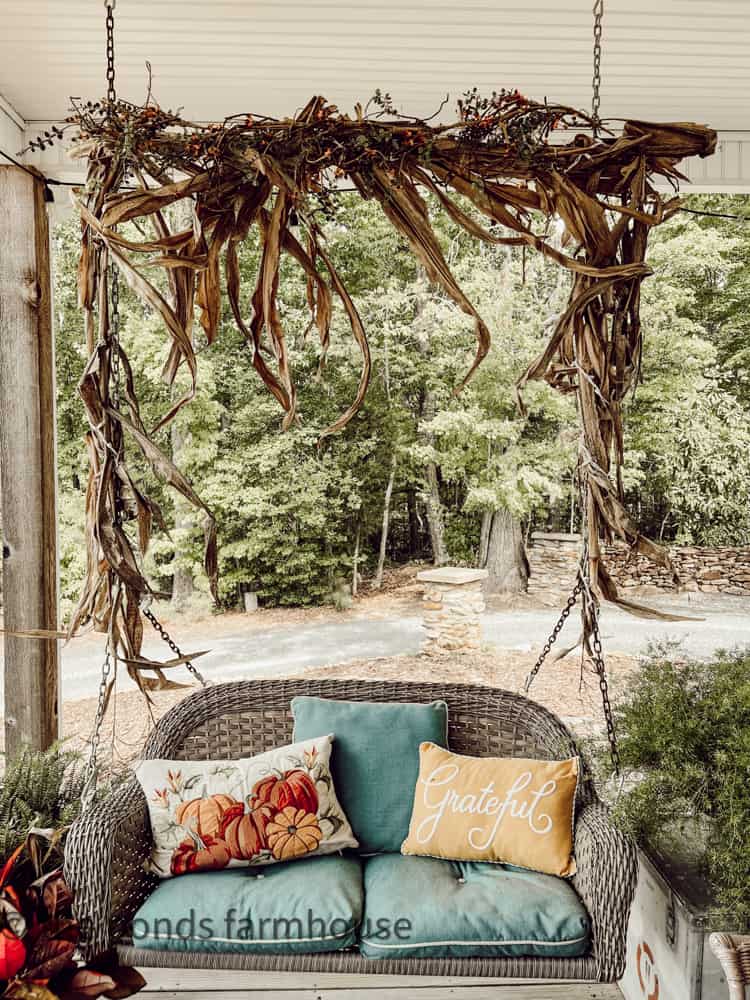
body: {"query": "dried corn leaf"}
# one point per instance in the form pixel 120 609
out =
pixel 602 188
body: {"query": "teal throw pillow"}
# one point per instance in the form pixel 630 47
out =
pixel 375 760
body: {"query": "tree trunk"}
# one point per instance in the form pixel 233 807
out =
pixel 386 520
pixel 435 522
pixel 433 503
pixel 355 559
pixel 484 538
pixel 506 563
pixel 414 533
pixel 183 584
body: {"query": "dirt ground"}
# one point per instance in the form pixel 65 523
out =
pixel 560 686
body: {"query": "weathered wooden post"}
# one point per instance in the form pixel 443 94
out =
pixel 27 462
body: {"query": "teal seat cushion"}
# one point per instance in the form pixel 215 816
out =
pixel 375 761
pixel 427 908
pixel 309 905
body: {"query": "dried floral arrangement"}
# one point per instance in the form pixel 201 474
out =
pixel 278 177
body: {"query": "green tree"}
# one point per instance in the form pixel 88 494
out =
pixel 688 476
pixel 463 476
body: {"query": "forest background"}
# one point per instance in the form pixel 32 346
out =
pixel 422 474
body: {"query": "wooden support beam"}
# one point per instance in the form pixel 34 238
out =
pixel 27 462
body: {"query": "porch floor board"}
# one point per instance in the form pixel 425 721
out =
pixel 182 984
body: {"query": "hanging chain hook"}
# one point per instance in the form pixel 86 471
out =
pixel 111 93
pixel 596 82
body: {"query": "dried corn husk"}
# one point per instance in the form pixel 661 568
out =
pixel 267 174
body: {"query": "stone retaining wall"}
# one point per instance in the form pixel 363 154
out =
pixel 553 558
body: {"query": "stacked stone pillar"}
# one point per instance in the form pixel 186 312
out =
pixel 452 607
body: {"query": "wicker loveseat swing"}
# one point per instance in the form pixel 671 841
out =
pixel 108 845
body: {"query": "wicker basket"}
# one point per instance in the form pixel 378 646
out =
pixel 107 847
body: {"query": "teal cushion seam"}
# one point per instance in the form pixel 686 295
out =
pixel 498 942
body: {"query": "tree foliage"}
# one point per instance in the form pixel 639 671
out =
pixel 290 511
pixel 685 727
pixel 687 426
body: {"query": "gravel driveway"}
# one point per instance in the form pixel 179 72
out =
pixel 274 651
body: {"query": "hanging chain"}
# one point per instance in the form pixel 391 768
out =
pixel 114 335
pixel 590 615
pixel 560 624
pixel 601 672
pixel 111 95
pixel 596 82
pixel 89 788
pixel 166 637
pixel 109 667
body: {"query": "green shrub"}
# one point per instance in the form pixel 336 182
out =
pixel 685 725
pixel 40 790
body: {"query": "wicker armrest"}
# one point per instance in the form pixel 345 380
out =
pixel 105 853
pixel 605 881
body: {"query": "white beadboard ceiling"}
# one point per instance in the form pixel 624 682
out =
pixel 663 59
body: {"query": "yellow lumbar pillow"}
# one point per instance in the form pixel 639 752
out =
pixel 501 809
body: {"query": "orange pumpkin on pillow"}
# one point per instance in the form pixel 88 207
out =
pixel 293 788
pixel 245 834
pixel 205 815
pixel 200 854
pixel 292 833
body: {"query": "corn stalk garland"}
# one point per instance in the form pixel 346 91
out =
pixel 279 177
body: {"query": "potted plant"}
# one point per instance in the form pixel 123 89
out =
pixel 40 796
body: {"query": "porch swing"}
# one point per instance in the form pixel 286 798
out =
pixel 498 157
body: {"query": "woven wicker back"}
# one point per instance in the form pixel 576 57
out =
pixel 226 721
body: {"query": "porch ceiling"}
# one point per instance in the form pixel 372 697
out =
pixel 663 59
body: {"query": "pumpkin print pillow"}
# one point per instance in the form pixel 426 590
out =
pixel 207 815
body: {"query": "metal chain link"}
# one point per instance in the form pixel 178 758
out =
pixel 111 94
pixel 113 333
pixel 590 614
pixel 598 11
pixel 89 790
pixel 601 671
pixel 564 615
pixel 165 636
